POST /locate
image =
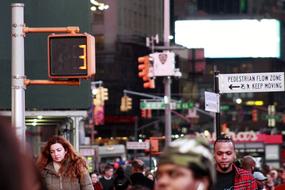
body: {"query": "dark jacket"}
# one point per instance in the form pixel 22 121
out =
pixel 54 181
pixel 140 179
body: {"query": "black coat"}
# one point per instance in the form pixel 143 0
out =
pixel 140 179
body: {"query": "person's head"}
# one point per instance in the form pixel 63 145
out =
pixel 273 173
pixel 120 171
pixel 260 179
pixel 137 166
pixel 17 169
pixel 59 150
pixel 186 164
pixel 94 177
pixel 248 163
pixel 108 171
pixel 224 154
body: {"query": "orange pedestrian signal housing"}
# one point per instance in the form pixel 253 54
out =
pixel 71 56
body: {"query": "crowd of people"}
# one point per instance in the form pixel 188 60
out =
pixel 185 164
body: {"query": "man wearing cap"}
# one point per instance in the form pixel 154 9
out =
pixel 138 178
pixel 229 176
pixel 186 164
pixel 260 180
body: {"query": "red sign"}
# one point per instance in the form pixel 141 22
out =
pixel 123 119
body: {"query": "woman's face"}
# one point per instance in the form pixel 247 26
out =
pixel 57 152
pixel 94 178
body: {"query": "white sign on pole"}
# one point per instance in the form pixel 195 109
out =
pixel 251 82
pixel 134 145
pixel 212 102
pixel 163 63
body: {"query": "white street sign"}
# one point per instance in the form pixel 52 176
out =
pixel 251 82
pixel 212 102
pixel 134 145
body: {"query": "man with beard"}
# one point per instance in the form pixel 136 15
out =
pixel 229 176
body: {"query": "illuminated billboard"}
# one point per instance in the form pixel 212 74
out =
pixel 231 38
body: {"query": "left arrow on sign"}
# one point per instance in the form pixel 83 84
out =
pixel 232 86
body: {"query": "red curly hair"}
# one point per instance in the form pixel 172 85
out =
pixel 73 164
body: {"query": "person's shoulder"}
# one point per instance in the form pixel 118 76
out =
pixel 243 172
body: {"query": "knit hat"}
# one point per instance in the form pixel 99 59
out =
pixel 186 152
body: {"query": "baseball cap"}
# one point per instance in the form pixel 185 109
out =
pixel 189 151
pixel 259 176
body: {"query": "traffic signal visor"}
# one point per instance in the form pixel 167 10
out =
pixel 71 56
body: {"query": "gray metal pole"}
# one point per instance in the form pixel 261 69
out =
pixel 167 93
pixel 167 80
pixel 18 72
pixel 136 134
pixel 166 25
pixel 217 115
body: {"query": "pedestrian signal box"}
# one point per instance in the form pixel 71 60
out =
pixel 71 56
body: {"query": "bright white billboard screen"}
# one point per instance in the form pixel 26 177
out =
pixel 231 38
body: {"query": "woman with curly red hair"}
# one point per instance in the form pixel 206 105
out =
pixel 62 168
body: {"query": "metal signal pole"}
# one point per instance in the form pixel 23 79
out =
pixel 167 80
pixel 18 71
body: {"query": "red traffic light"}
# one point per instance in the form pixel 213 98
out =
pixel 71 56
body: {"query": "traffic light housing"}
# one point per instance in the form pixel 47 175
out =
pixel 71 56
pixel 146 113
pixel 144 71
pixel 126 103
pixel 254 115
pixel 129 103
pixel 102 95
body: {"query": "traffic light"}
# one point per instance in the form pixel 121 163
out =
pixel 71 56
pixel 144 71
pixel 101 96
pixel 254 115
pixel 146 113
pixel 129 103
pixel 271 116
pixel 126 103
pixel 104 95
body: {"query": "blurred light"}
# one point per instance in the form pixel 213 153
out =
pixel 106 7
pixel 34 122
pixel 39 116
pixel 238 100
pixel 166 99
pixel 98 6
pixel 94 91
pixel 254 103
pixel 140 140
pixel 93 8
pixel 259 103
pixel 101 7
pixel 207 133
pixel 171 37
